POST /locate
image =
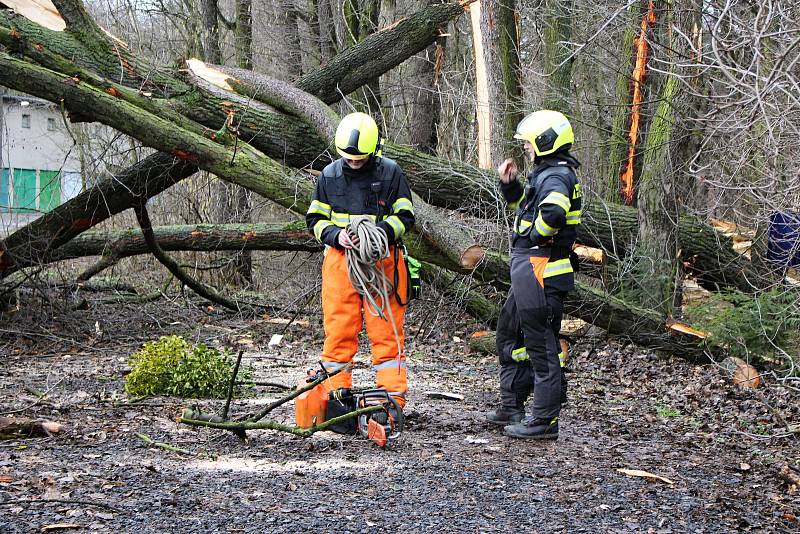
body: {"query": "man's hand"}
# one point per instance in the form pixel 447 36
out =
pixel 507 171
pixel 345 241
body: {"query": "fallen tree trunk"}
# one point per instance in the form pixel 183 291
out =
pixel 450 184
pixel 192 237
pixel 458 291
pixel 641 326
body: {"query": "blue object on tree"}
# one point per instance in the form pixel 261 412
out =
pixel 783 239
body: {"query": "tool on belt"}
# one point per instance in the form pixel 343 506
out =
pixel 320 404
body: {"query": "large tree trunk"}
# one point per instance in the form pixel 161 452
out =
pixel 424 85
pixel 617 144
pixel 288 15
pixel 557 54
pixel 192 237
pixel 642 326
pixel 653 273
pixel 361 20
pixel 500 46
pixel 210 35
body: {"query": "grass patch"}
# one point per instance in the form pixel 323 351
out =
pixel 667 411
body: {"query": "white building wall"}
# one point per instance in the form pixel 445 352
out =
pixel 44 145
pixel 37 147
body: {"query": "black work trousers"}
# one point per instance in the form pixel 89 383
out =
pixel 527 340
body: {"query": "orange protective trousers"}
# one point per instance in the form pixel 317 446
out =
pixel 343 312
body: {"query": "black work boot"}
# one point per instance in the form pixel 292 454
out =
pixel 505 416
pixel 534 428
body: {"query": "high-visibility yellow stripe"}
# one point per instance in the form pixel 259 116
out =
pixel 343 219
pixel 402 203
pixel 559 199
pixel 340 219
pixel 320 227
pixel 397 225
pixel 513 205
pixel 555 268
pixel 320 208
pixel 574 217
pixel 519 355
pixel 543 228
pixel 522 223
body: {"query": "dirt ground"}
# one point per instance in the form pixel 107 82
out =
pixel 720 448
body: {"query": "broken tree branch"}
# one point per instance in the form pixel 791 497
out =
pixel 201 289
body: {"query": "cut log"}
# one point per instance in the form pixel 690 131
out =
pixel 11 428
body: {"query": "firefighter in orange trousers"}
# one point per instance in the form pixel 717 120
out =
pixel 361 182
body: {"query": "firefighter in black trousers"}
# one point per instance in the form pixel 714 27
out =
pixel 548 213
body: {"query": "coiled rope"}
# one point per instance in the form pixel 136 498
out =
pixel 365 273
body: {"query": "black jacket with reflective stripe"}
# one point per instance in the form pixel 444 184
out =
pixel 548 210
pixel 380 190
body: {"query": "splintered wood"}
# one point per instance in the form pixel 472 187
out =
pixel 213 76
pixel 42 12
pixel 741 236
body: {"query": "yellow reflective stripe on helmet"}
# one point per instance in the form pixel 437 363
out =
pixel 513 205
pixel 397 225
pixel 519 355
pixel 543 228
pixel 559 199
pixel 555 268
pixel 320 208
pixel 574 217
pixel 320 227
pixel 402 203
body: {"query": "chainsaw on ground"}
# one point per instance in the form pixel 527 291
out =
pixel 382 426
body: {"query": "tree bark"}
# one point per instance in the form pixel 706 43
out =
pixel 327 31
pixel 424 86
pixel 210 35
pixel 361 20
pixel 641 326
pixel 243 34
pixel 195 237
pixel 557 55
pixel 617 144
pixel 653 271
pixel 501 57
pixel 287 14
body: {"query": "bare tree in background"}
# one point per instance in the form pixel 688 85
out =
pixel 423 81
pixel 500 43
pixel 361 18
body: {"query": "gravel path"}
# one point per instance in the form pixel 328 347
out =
pixel 720 446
